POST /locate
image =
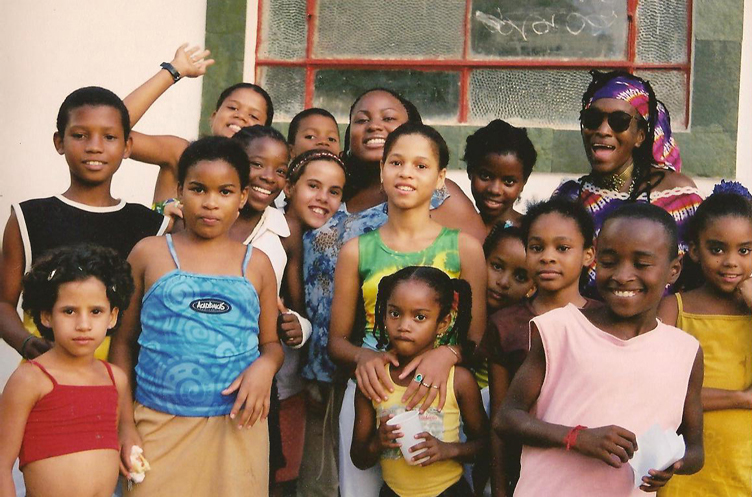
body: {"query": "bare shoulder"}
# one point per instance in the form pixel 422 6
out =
pixel 147 246
pixel 350 248
pixel 470 244
pixel 121 379
pixel 668 310
pixel 672 179
pixel 27 382
pixel 463 379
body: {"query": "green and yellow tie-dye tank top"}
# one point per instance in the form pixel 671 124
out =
pixel 376 260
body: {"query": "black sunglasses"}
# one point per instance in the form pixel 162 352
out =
pixel 592 118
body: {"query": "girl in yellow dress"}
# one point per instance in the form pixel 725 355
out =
pixel 718 315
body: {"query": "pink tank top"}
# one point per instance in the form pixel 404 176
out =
pixel 596 379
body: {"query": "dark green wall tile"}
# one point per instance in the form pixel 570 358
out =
pixel 718 19
pixel 708 152
pixel 715 95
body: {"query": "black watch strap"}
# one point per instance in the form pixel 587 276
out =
pixel 171 69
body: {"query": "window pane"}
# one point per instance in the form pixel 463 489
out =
pixel 436 94
pixel 286 86
pixel 559 29
pixel 671 88
pixel 283 29
pixel 389 29
pixel 662 31
pixel 528 97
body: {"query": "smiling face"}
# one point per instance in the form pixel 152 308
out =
pixel 412 318
pixel 80 317
pixel 243 107
pixel 610 152
pixel 316 132
pixel 496 184
pixel 374 116
pixel 211 196
pixel 93 143
pixel 556 252
pixel 633 271
pixel 724 252
pixel 317 194
pixel 269 159
pixel 410 172
pixel 508 277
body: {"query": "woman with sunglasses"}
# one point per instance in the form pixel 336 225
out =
pixel 633 157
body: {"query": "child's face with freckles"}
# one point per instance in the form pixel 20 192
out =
pixel 633 271
pixel 316 132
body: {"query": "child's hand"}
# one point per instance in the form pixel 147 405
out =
pixel 388 434
pixel 190 62
pixel 744 291
pixel 254 387
pixel 436 450
pixel 371 375
pixel 658 479
pixel 289 329
pixel 128 437
pixel 173 211
pixel 613 445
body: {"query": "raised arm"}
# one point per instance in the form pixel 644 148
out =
pixel 12 267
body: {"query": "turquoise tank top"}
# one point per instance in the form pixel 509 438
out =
pixel 198 333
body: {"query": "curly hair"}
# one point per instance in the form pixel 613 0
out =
pixel 500 137
pixel 75 263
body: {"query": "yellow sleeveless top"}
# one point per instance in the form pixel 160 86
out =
pixel 431 480
pixel 727 345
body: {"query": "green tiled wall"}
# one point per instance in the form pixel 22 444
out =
pixel 708 147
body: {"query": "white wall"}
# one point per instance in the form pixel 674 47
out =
pixel 50 48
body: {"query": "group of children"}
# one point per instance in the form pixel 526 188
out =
pixel 233 334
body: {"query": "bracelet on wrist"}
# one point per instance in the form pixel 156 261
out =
pixel 456 354
pixel 171 69
pixel 571 437
pixel 24 344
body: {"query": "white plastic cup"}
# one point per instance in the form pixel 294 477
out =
pixel 410 425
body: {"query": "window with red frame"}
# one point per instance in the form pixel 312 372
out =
pixel 473 61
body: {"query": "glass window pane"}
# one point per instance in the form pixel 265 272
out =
pixel 434 93
pixel 286 86
pixel 389 29
pixel 283 29
pixel 671 88
pixel 558 29
pixel 662 31
pixel 544 98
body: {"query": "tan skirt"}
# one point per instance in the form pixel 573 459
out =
pixel 201 456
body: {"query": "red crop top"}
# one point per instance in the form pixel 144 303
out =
pixel 71 418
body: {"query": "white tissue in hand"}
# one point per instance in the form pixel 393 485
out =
pixel 656 449
pixel 139 465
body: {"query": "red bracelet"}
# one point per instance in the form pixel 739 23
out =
pixel 571 437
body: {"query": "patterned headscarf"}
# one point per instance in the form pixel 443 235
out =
pixel 633 91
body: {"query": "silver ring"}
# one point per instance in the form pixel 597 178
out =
pixel 425 384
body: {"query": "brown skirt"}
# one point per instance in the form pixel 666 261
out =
pixel 201 456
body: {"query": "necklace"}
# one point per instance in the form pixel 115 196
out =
pixel 615 181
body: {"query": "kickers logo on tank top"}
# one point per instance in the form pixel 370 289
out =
pixel 211 306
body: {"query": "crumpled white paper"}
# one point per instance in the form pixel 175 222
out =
pixel 139 465
pixel 656 449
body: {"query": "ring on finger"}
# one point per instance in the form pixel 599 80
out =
pixel 418 378
pixel 427 385
pixel 435 386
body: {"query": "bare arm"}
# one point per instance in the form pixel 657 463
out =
pixel 668 310
pixel 498 384
pixel 292 284
pixel 127 433
pixel 458 212
pixel 19 396
pixel 365 449
pixel 471 252
pixel 369 365
pixel 11 278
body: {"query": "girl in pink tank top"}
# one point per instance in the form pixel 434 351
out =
pixel 60 413
pixel 595 378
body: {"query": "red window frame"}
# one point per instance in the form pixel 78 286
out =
pixel 465 64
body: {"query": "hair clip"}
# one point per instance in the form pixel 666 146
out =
pixel 51 275
pixel 114 289
pixel 732 187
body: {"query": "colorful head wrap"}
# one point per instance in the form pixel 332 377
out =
pixel 633 91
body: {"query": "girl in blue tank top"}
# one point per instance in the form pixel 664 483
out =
pixel 204 323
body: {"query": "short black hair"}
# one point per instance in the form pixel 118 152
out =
pixel 649 212
pixel 427 132
pixel 716 206
pixel 75 263
pixel 500 232
pixel 256 88
pixel 93 96
pixel 215 148
pixel 565 208
pixel 500 137
pixel 313 111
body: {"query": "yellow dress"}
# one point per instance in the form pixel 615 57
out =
pixel 727 345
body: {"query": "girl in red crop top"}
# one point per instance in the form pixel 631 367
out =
pixel 67 414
